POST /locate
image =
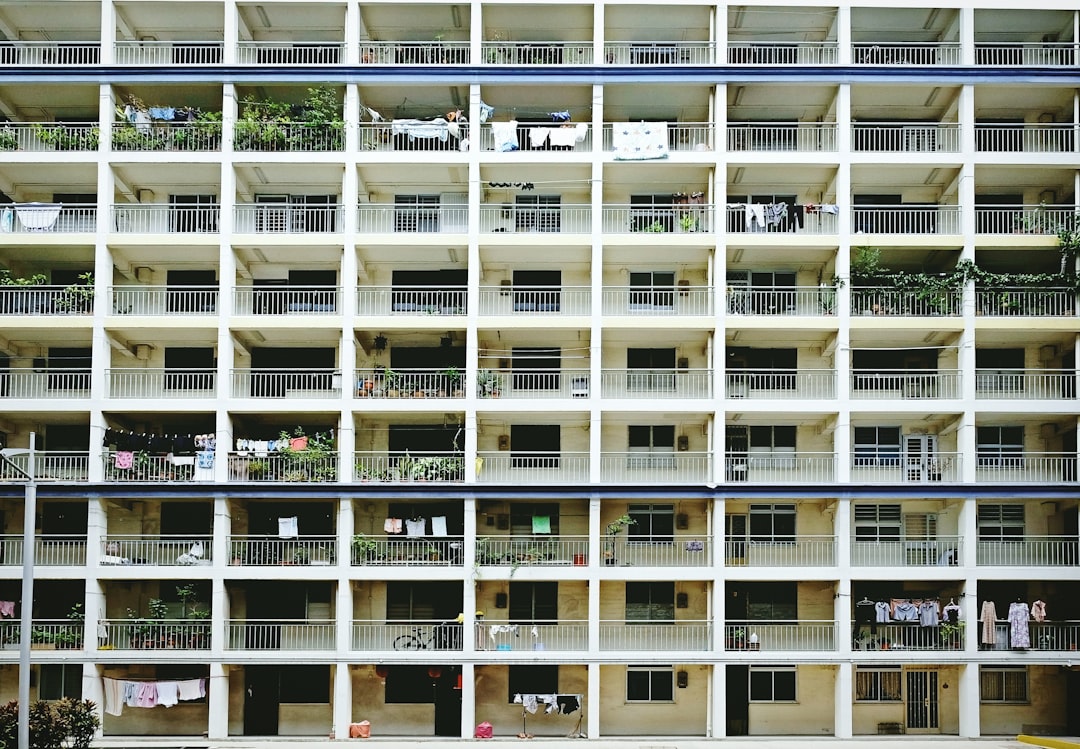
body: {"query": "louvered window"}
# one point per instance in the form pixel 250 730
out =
pixel 1001 522
pixel 877 523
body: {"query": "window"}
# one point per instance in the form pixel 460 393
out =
pixel 650 684
pixel 761 369
pixel 409 685
pixel 877 446
pixel 877 683
pixel 772 683
pixel 1001 522
pixel 537 290
pixel 875 523
pixel 538 213
pixel 416 213
pixel 999 370
pixel 653 524
pixel 999 447
pixel 536 368
pixel 653 290
pixel 772 293
pixel 60 680
pixel 534 445
pixel 534 602
pixel 1003 684
pixel 193 213
pixel 300 684
pixel 655 213
pixel 650 369
pixel 771 601
pixel 772 523
pixel 772 447
pixel 651 447
pixel 189 368
pixel 650 601
pixel 532 680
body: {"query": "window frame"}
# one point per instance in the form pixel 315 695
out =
pixel 653 601
pixel 773 671
pixel 998 447
pixel 874 519
pixel 873 685
pixel 879 451
pixel 1002 671
pixel 1001 527
pixel 656 677
pixel 773 512
pixel 645 517
pixel 70 681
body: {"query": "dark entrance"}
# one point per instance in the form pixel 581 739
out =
pixel 262 698
pixel 447 704
pixel 738 700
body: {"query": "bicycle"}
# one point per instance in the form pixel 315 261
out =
pixel 440 637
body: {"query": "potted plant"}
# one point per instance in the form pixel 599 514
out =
pixel 487 384
pixel 688 223
pixel 364 548
pixel 78 297
pixel 736 639
pixel 258 468
pixel 613 528
pixel 392 383
pixel 302 555
pixel 8 139
pixel 453 379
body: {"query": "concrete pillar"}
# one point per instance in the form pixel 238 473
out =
pixel 342 700
pixel 217 698
pixel 842 699
pixel 93 689
pixel 968 699
pixel 592 702
pixel 468 697
pixel 718 700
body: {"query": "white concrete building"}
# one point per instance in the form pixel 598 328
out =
pixel 683 349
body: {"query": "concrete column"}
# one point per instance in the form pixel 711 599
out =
pixel 843 34
pixel 842 699
pixel 718 701
pixel 468 696
pixel 94 689
pixel 968 699
pixel 219 598
pixel 842 531
pixel 596 265
pixel 352 37
pixel 967 34
pixel 231 33
pixel 592 700
pixel 842 615
pixel 342 701
pixel 217 698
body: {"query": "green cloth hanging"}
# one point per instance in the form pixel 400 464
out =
pixel 541 524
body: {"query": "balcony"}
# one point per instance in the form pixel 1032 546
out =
pixel 412 134
pixel 781 468
pixel 1030 467
pixel 145 634
pixel 533 383
pixel 1024 384
pixel 48 136
pixel 168 53
pixel 801 301
pixel 682 136
pixel 890 384
pixel 906 219
pixel 658 219
pixel 158 551
pixel 48 466
pixel 779 636
pixel 1025 54
pixel 887 467
pixel 414 53
pixel 657 551
pixel 164 301
pixel 409 467
pixel 782 53
pixel 287 137
pixel 1052 635
pixel 74 54
pixel 685 467
pixel 413 300
pixel 123 466
pixel 522 468
pixel 532 551
pixel 308 467
pixel 535 300
pixel 49 551
pixel 502 636
pixel 805 137
pixel 42 300
pixel 166 136
pixel 683 300
pixel 285 218
pixel 165 218
pixel 286 300
pixel 815 220
pixel 1028 551
pixel 45 634
pixel 448 382
pixel 930 552
pixel 889 301
pixel 796 551
pixel 643 636
pixel 269 551
pixel 37 218
pixel 635 384
pixel 659 53
pixel 283 634
pixel 535 219
pixel 290 53
pixel 528 136
pixel 921 54
pixel 408 552
pixel 160 383
pixel 1021 302
pixel 50 384
pixel 906 137
pixel 790 384
pixel 323 384
pixel 907 636
pixel 1025 137
pixel 379 635
pixel 1023 219
pixel 388 218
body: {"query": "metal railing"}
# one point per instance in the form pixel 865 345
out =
pixel 925 552
pixel 1012 54
pixel 367 635
pixel 167 136
pixel 46 634
pixel 782 53
pixel 286 218
pixel 886 301
pixel 162 551
pixel 906 219
pixel 909 384
pixel 682 136
pixel 535 219
pixel 905 53
pixel 906 137
pixel 685 467
pixel 676 635
pixel 905 636
pixel 1020 302
pixel 388 218
pixel 266 551
pixel 121 466
pixel 412 300
pixel 1052 635
pixel 1032 137
pixel 1023 219
pixel 286 300
pixel 681 550
pixel 284 634
pixel 290 53
pixel 658 219
pixel 1028 551
pixel 48 136
pixel 800 384
pixel 283 136
pixel 414 53
pixel 165 218
pixel 74 54
pixel 414 135
pixel 1025 384
pixel 658 301
pixel 660 53
pixel 146 634
pixel 285 383
pixel 532 467
pixel 51 384
pixel 793 551
pixel 812 221
pixel 780 636
pixel 409 552
pixel 42 300
pixel 1029 467
pixel 655 384
pixel 558 137
pixel 49 466
pixel 156 382
pixel 447 382
pixel 806 301
pixel 532 551
pixel 164 300
pixel 293 467
pixel 892 468
pixel 564 635
pixel 408 467
pixel 33 218
pixel 49 551
pixel 535 300
pixel 168 53
pixel 781 468
pixel 807 137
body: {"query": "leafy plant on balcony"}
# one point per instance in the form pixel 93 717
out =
pixel 78 297
pixel 364 548
pixel 315 124
pixel 9 140
pixel 951 634
pixel 69 137
pixel 7 279
pixel 315 462
pixel 202 133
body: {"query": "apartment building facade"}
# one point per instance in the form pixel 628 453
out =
pixel 578 368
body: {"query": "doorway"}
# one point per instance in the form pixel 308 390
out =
pixel 447 704
pixel 262 698
pixel 922 701
pixel 737 687
pixel 920 457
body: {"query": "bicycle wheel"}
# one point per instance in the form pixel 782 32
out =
pixel 408 642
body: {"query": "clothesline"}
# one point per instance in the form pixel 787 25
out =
pixel 149 693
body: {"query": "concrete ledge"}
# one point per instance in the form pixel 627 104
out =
pixel 1048 742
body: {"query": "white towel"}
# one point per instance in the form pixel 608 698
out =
pixel 287 528
pixel 568 136
pixel 167 693
pixel 415 527
pixel 438 525
pixel 191 689
pixel 505 135
pixel 114 696
pixel 538 136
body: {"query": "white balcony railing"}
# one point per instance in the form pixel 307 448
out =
pixel 161 301
pixel 1026 137
pixel 888 467
pixel 534 219
pixel 387 218
pixel 806 137
pixel 296 467
pixel 532 467
pixel 408 467
pixel 537 53
pixel 35 218
pixel 908 384
pixel 286 383
pixel 413 300
pixel 48 136
pixel 884 137
pixel 535 300
pixel 284 136
pixel 659 53
pixel 522 383
pixel 46 634
pixel 660 467
pixel 682 136
pixel 69 54
pixel 532 551
pixel 683 300
pixel 165 218
pixel 806 301
pixel 290 53
pixel 940 551
pixel 130 382
pixel 905 53
pixel 906 636
pixel 368 635
pixel 658 219
pixel 285 218
pixel 656 384
pixel 50 384
pixel 800 384
pixel 669 636
pixel 162 551
pixel 445 382
pixel 1026 54
pixel 682 550
pixel 42 300
pixel 782 53
pixel 414 53
pixel 1051 635
pixel 555 137
pixel 286 300
pixel 1023 219
pixel 147 634
pixel 168 53
pixel 122 466
pixel 742 219
pixel 1025 384
pixel 284 634
pixel 1028 551
pixel 794 551
pixel 265 551
pixel 906 219
pixel 781 468
pixel 409 552
pixel 885 301
pixel 503 636
pixel 167 136
pixel 48 466
pixel 774 636
pixel 410 134
pixel 1030 467
pixel 1020 302
pixel 49 551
